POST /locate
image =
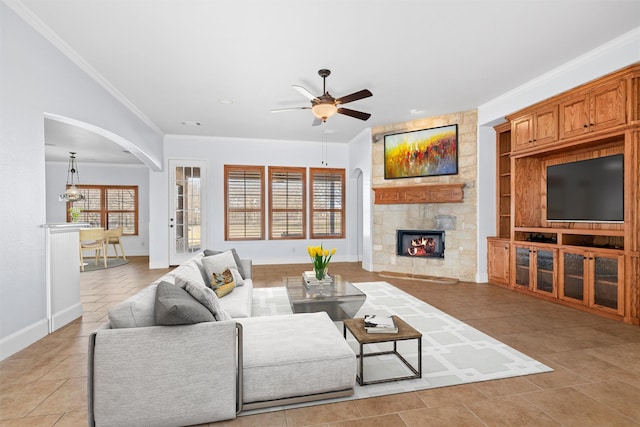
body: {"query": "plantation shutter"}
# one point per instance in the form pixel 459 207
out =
pixel 244 213
pixel 328 203
pixel 287 203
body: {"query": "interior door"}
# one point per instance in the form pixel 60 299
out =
pixel 187 209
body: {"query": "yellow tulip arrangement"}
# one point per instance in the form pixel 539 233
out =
pixel 320 258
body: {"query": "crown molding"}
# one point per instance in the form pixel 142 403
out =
pixel 52 37
pixel 589 66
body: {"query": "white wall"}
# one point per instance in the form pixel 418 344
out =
pixel 360 159
pixel 612 56
pixel 37 79
pixel 220 151
pixel 100 174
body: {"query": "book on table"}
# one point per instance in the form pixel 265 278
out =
pixel 378 324
pixel 310 279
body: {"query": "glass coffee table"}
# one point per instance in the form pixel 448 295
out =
pixel 340 299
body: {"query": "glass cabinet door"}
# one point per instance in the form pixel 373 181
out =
pixel 523 257
pixel 605 281
pixel 545 271
pixel 573 276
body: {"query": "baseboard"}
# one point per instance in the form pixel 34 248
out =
pixel 65 316
pixel 23 338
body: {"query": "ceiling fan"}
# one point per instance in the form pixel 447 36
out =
pixel 325 105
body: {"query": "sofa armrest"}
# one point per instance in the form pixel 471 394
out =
pixel 247 265
pixel 163 375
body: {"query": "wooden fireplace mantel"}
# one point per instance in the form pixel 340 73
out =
pixel 429 193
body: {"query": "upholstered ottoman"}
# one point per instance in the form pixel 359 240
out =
pixel 294 358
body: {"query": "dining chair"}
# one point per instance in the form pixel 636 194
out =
pixel 113 238
pixel 93 239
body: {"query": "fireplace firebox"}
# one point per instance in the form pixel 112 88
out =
pixel 421 243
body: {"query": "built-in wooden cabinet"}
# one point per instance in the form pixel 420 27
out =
pixel 594 266
pixel 535 268
pixel 594 278
pixel 536 128
pixel 634 98
pixel 498 261
pixel 595 110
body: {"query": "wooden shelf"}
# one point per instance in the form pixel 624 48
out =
pixel 395 195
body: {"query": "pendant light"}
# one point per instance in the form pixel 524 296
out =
pixel 72 194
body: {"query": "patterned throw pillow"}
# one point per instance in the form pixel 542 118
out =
pixel 223 283
pixel 218 263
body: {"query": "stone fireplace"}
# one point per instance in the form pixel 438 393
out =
pixel 420 243
pixel 423 204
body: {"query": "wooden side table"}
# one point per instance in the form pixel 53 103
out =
pixel 405 332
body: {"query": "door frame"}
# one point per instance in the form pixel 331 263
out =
pixel 176 258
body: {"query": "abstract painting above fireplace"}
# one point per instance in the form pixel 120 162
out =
pixel 420 243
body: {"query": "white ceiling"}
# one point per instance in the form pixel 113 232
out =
pixel 185 60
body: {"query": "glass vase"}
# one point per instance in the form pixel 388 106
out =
pixel 321 272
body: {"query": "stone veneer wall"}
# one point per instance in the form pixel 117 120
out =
pixel 460 244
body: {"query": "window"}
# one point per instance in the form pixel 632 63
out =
pixel 287 203
pixel 109 206
pixel 244 202
pixel 327 208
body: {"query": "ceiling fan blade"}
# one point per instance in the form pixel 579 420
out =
pixel 304 92
pixel 316 122
pixel 364 93
pixel 353 113
pixel 280 110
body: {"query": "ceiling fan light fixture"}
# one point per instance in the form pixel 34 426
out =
pixel 324 111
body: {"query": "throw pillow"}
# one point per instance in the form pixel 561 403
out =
pixel 203 271
pixel 239 265
pixel 206 296
pixel 174 306
pixel 219 263
pixel 223 283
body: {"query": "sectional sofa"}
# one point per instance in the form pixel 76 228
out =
pixel 177 354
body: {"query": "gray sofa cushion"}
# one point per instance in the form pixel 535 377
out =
pixel 239 303
pixel 188 271
pixel 136 311
pixel 294 355
pixel 175 306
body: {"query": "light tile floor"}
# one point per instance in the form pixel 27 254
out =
pixel 596 381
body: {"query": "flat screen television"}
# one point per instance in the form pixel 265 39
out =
pixel 587 190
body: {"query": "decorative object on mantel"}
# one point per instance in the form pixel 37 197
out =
pixel 320 258
pixel 72 194
pixel 395 195
pixel 426 152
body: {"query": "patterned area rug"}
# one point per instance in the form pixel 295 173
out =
pixel 453 352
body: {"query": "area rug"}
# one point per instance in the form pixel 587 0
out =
pixel 453 352
pixel 90 264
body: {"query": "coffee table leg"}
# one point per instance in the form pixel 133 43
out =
pixel 420 357
pixel 361 364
